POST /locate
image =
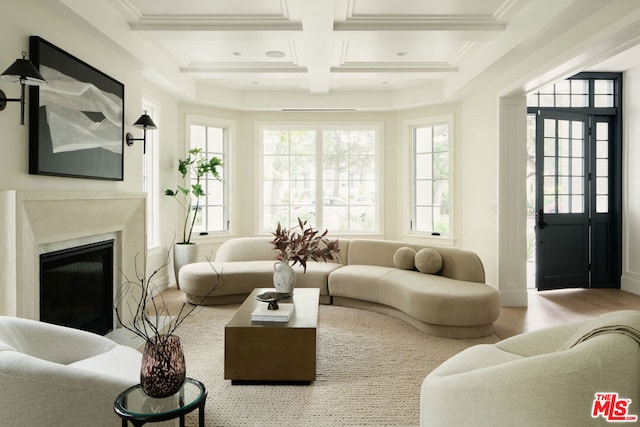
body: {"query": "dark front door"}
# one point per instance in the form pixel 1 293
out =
pixel 575 230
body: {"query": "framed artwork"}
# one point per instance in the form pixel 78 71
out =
pixel 76 120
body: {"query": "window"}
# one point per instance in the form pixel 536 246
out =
pixel 575 93
pixel 432 171
pixel 325 175
pixel 150 178
pixel 212 137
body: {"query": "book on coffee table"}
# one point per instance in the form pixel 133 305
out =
pixel 262 313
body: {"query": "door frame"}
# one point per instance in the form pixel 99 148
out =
pixel 615 175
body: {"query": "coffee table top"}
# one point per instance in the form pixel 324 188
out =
pixel 305 315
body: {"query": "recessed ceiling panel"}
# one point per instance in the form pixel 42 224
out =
pixel 209 7
pixel 261 82
pixel 237 52
pixel 425 7
pixel 399 52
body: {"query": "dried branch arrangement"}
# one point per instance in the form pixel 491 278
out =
pixel 150 311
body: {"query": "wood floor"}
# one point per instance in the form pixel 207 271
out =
pixel 548 308
pixel 545 308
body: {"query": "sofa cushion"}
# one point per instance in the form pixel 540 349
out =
pixel 404 258
pixel 428 260
pixel 439 300
pixel 242 277
pixel 457 263
pixel 357 281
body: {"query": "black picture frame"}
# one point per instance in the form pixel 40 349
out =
pixel 76 121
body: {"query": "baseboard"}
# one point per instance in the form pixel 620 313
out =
pixel 630 283
pixel 514 298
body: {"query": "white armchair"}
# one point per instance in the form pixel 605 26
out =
pixel 540 378
pixel 52 375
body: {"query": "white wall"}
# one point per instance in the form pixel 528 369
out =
pixel 33 17
pixel 631 183
pixel 57 25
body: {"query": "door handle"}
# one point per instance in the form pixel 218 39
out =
pixel 540 219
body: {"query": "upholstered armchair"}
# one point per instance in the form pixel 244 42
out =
pixel 52 375
pixel 542 378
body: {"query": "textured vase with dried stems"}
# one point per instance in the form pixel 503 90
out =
pixel 163 369
pixel 298 245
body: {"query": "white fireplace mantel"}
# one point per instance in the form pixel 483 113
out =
pixel 33 222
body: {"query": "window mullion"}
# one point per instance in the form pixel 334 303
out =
pixel 414 193
pixel 319 178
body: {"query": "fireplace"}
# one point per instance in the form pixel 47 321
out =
pixel 76 287
pixel 33 223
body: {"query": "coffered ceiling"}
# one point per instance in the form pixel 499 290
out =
pixel 318 46
pixel 328 47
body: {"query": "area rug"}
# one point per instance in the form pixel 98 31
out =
pixel 370 368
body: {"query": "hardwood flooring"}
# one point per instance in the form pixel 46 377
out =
pixel 547 308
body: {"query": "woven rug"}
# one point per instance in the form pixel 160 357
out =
pixel 370 368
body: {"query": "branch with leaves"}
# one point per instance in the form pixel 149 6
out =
pixel 299 244
pixel 197 166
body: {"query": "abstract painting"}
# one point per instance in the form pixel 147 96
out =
pixel 76 120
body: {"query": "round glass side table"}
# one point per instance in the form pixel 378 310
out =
pixel 135 406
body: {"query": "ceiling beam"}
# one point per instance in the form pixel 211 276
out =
pixel 317 22
pixel 169 23
pixel 449 23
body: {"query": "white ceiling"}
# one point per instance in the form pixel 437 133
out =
pixel 331 47
pixel 319 46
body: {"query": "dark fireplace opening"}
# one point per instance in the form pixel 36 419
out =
pixel 76 287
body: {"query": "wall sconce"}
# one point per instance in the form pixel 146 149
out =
pixel 145 123
pixel 23 71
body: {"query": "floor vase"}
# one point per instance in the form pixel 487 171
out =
pixel 183 254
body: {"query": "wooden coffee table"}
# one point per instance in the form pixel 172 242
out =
pixel 268 352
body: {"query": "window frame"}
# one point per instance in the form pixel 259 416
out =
pixel 230 131
pixel 410 178
pixel 151 174
pixel 320 126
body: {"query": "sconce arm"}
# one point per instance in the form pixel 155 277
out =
pixel 4 100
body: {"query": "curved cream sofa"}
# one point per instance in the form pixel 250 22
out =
pixel 547 377
pixel 53 375
pixel 247 263
pixel 455 303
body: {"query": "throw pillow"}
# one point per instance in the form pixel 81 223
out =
pixel 404 258
pixel 428 261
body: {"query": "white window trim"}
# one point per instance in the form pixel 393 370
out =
pixel 152 166
pixel 259 225
pixel 407 190
pixel 230 126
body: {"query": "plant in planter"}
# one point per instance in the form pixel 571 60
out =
pixel 163 369
pixel 298 245
pixel 196 166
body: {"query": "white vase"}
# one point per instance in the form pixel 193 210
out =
pixel 183 254
pixel 284 277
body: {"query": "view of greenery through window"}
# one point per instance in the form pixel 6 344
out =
pixel 431 178
pixel 326 176
pixel 212 213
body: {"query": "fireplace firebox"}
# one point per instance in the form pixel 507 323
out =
pixel 76 287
